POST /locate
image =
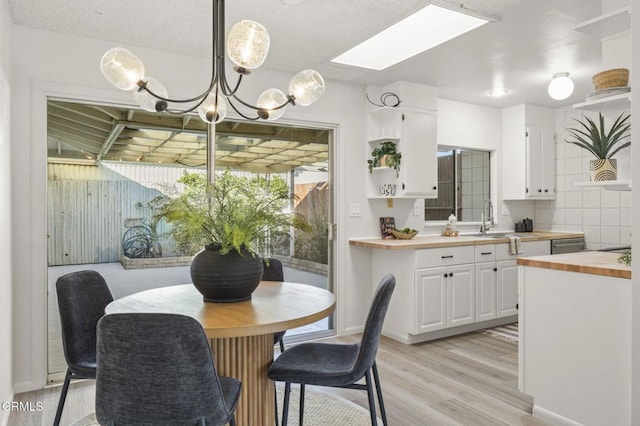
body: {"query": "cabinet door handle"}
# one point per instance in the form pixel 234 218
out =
pixel 435 188
pixel 445 275
pixel 447 257
pixel 485 253
pixel 450 274
pixel 495 269
pixel 539 190
pixel 546 190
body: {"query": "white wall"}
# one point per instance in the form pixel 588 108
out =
pixel 6 346
pixel 48 64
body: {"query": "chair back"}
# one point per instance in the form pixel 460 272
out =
pixel 272 270
pixel 82 297
pixel 156 369
pixel 373 326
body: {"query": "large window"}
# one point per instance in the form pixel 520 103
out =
pixel 463 185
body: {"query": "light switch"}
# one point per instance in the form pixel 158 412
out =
pixel 417 207
pixel 355 210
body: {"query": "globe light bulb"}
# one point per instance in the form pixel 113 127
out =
pixel 146 100
pixel 212 111
pixel 248 44
pixel 561 87
pixel 306 86
pixel 122 68
pixel 270 99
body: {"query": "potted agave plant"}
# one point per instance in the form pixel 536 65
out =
pixel 602 144
pixel 227 223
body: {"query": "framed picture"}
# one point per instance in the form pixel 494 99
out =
pixel 386 225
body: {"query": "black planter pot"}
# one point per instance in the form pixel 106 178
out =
pixel 225 278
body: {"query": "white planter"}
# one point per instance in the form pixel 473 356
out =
pixel 602 170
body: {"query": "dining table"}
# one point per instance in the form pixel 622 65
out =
pixel 240 333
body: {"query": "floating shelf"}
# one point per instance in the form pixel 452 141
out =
pixel 607 24
pixel 610 103
pixel 378 140
pixel 611 185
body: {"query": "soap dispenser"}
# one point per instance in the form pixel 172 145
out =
pixel 453 221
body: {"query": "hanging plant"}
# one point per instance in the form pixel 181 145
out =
pixel 385 155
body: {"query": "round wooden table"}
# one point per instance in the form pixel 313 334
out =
pixel 241 333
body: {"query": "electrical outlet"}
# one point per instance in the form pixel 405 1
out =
pixel 355 210
pixel 417 208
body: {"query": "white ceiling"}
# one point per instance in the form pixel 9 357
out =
pixel 532 40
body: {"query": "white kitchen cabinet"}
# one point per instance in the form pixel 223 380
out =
pixel 486 287
pixel 528 153
pixel 413 130
pixel 506 288
pixel 445 297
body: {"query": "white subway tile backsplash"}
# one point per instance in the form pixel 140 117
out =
pixel 610 217
pixel 626 217
pixel 573 216
pixel 591 199
pixel 591 217
pixel 574 166
pixel 611 199
pixel 625 235
pixel 559 217
pixel 570 182
pixel 573 200
pixel 625 199
pixel 592 234
pixel 610 235
pixel 561 166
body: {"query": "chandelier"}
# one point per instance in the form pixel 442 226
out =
pixel 247 47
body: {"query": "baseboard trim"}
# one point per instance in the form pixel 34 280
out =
pixel 552 418
pixel 448 332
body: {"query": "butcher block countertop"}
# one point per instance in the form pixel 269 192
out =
pixel 586 262
pixel 435 241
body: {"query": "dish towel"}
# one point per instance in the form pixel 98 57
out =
pixel 515 244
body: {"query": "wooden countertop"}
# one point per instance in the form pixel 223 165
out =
pixel 586 262
pixel 435 241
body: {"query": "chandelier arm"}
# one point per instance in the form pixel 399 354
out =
pixel 248 105
pixel 199 97
pixel 240 113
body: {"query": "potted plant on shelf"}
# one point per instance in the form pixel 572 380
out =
pixel 232 219
pixel 602 144
pixel 385 155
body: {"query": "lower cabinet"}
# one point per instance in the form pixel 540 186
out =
pixel 507 287
pixel 486 287
pixel 444 297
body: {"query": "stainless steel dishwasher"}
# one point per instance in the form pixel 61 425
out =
pixel 568 245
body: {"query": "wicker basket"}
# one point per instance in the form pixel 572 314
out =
pixel 403 235
pixel 617 77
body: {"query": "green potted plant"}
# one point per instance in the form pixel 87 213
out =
pixel 385 155
pixel 229 221
pixel 603 145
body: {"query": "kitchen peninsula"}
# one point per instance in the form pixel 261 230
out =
pixel 451 285
pixel 575 337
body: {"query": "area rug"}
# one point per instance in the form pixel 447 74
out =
pixel 320 409
pixel 507 332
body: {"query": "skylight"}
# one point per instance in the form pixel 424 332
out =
pixel 425 29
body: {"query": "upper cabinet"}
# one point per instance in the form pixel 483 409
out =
pixel 411 126
pixel 528 153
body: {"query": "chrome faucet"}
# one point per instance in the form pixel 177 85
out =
pixel 483 227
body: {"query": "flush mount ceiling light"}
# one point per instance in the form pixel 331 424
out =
pixel 417 33
pixel 247 47
pixel 561 87
pixel 498 92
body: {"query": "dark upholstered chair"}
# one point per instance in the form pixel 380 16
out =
pixel 273 272
pixel 157 369
pixel 82 297
pixel 338 365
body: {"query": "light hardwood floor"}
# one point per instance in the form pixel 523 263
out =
pixel 463 380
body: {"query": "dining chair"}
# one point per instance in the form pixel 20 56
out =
pixel 82 297
pixel 273 271
pixel 338 365
pixel 157 369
